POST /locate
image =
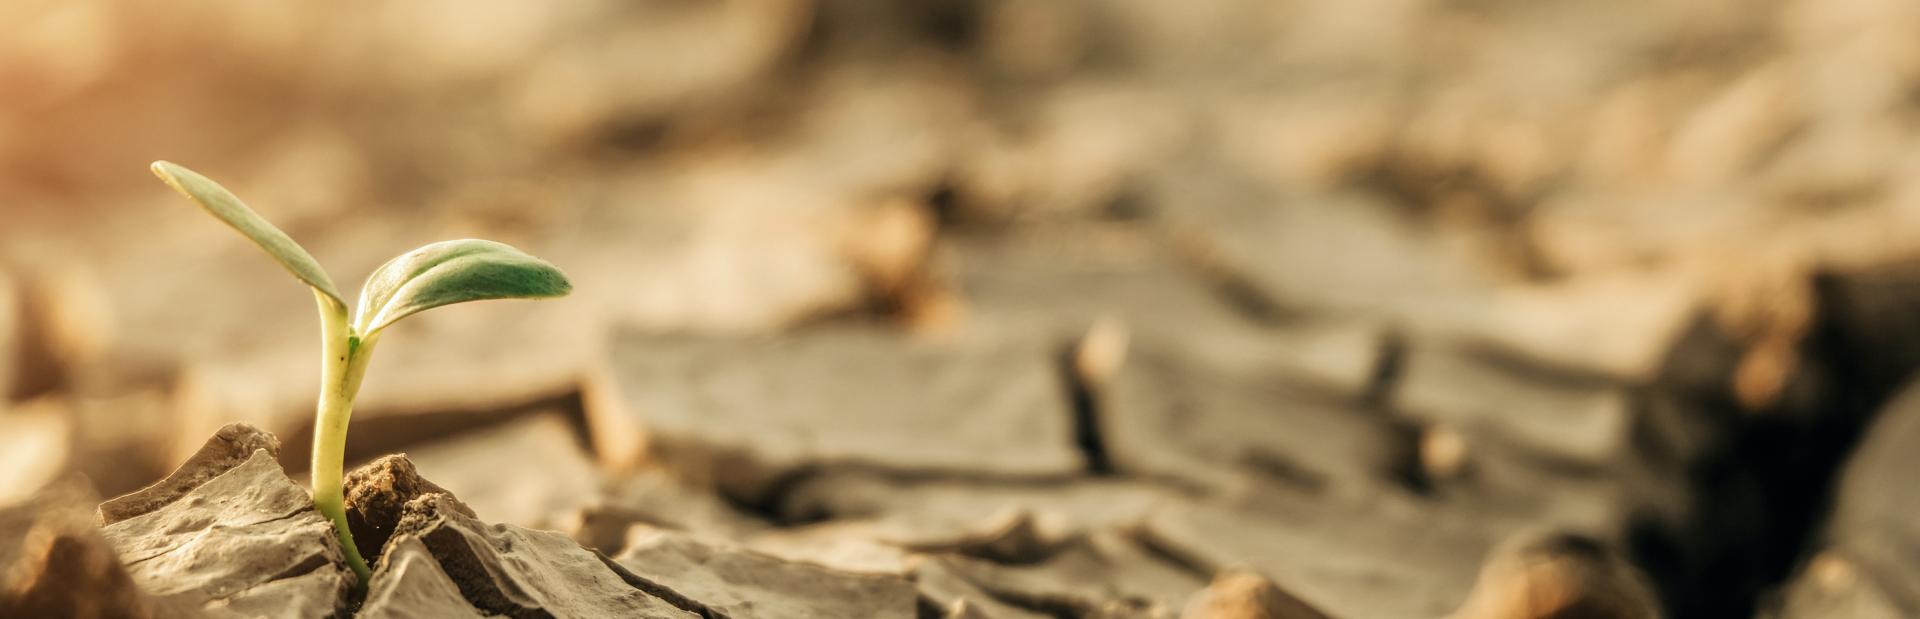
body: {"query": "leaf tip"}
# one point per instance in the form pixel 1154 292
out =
pixel 169 173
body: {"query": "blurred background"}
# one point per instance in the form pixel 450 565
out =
pixel 1353 295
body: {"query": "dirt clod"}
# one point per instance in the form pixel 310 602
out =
pixel 228 448
pixel 376 496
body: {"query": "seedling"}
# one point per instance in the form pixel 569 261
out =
pixel 438 274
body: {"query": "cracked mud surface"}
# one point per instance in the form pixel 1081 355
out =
pixel 978 308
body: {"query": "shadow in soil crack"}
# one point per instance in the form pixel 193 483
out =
pixel 1763 481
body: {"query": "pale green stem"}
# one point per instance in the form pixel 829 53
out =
pixel 346 362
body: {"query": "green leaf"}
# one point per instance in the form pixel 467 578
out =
pixel 453 272
pixel 222 204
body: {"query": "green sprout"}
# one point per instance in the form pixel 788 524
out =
pixel 438 274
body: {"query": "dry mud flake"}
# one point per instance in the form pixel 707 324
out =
pixel 1011 522
pixel 408 583
pixel 1103 575
pixel 229 533
pixel 854 546
pixel 747 414
pixel 507 570
pixel 1161 416
pixel 54 563
pixel 732 582
pixel 1381 559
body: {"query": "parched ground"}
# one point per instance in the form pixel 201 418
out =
pixel 1000 308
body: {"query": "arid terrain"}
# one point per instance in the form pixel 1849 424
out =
pixel 977 308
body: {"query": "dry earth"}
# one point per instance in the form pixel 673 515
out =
pixel 978 308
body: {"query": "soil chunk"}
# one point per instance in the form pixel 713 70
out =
pixel 1162 417
pixel 408 582
pixel 231 535
pixel 1337 557
pixel 733 582
pixel 747 415
pixel 229 447
pixel 377 494
pixel 507 570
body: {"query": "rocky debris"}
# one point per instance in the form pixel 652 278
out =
pixel 1559 576
pixel 1859 565
pixel 36 439
pixel 229 533
pixel 530 472
pixel 1160 417
pixel 1240 594
pixel 377 494
pixel 408 582
pixel 1578 420
pixel 733 582
pixel 1335 555
pixel 1105 574
pixel 745 415
pixel 54 563
pixel 507 570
